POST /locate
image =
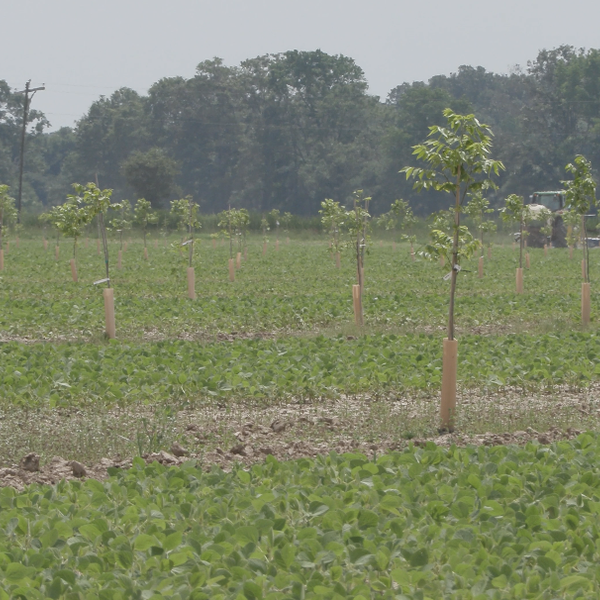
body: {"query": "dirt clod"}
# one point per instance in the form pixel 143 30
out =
pixel 239 449
pixel 178 450
pixel 31 462
pixel 278 426
pixel 78 469
pixel 162 457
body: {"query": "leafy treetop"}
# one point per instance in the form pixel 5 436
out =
pixel 400 216
pixel 580 197
pixel 477 208
pixel 333 218
pixel 70 218
pixel 186 212
pixel 143 215
pixel 458 162
pixel 581 190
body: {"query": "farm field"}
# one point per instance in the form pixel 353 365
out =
pixel 295 291
pixel 499 522
pixel 271 368
pixel 281 335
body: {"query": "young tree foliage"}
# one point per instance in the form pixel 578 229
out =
pixel 226 224
pixel 477 208
pixel 357 223
pixel 187 213
pixel 122 222
pixel 332 218
pixel 97 203
pixel 70 219
pixel 580 197
pixel 458 162
pixel 234 224
pixel 441 234
pixel 516 211
pixel 286 220
pixel 400 216
pixel 143 215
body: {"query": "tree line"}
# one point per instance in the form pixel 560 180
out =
pixel 285 131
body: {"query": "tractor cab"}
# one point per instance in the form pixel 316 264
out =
pixel 553 201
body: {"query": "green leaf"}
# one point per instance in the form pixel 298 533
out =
pixel 244 476
pixel 66 575
pixel 420 558
pixel 252 591
pixel 247 534
pixel 172 541
pixel 460 510
pixel 16 572
pixel 89 532
pixel 143 541
pixel 575 582
pixel 285 556
pixel 474 481
pixel 367 518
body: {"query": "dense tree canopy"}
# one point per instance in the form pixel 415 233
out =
pixel 285 131
pixel 151 174
pixel 11 123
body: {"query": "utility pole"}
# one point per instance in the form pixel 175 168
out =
pixel 26 91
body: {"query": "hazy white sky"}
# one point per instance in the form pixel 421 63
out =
pixel 81 49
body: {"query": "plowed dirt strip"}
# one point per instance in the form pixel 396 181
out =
pixel 86 442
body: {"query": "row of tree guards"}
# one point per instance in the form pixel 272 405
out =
pixel 457 158
pixel 349 229
pixel 90 202
pixel 458 162
pixel 343 229
pixel 353 222
pixel 356 289
pixel 580 196
pixel 2 252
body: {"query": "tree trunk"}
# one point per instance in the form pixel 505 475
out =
pixel 586 251
pixel 102 230
pixel 454 272
pixel 521 241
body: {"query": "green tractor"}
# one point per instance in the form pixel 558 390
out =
pixel 555 203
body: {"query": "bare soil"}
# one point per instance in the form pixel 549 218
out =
pixel 45 446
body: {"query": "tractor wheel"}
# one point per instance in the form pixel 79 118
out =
pixel 559 233
pixel 535 238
